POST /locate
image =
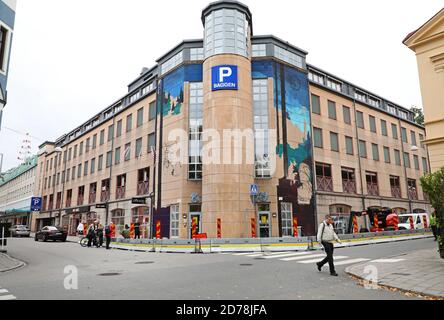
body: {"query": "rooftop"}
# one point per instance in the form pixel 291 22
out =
pixel 18 171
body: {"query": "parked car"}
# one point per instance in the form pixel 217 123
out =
pixel 20 231
pixel 51 233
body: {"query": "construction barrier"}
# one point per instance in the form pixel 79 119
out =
pixel 194 228
pixel 85 230
pixel 412 223
pixel 132 231
pixel 219 228
pixel 253 228
pixel 355 225
pixel 426 224
pixel 113 230
pixel 295 227
pixel 376 222
pixel 158 230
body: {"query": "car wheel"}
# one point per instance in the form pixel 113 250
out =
pixel 45 238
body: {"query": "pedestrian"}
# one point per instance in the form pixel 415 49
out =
pixel 434 225
pixel 137 230
pixel 80 229
pixel 108 235
pixel 92 236
pixel 327 237
pixel 100 235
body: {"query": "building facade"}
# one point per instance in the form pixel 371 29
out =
pixel 219 118
pixel 7 18
pixel 16 190
pixel 428 44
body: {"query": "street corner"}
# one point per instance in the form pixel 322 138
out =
pixel 8 263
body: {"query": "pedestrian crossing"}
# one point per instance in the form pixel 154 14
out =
pixel 5 295
pixel 304 258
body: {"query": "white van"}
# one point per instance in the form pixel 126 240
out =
pixel 418 221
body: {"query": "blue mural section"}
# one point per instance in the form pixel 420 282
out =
pixel 173 88
pixel 294 149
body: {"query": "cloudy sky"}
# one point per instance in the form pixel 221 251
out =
pixel 73 58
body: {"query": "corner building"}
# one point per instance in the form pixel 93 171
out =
pixel 230 80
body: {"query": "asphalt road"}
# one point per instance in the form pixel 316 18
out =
pixel 153 276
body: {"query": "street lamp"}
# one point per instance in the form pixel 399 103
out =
pixel 58 151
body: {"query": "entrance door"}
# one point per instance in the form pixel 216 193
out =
pixel 195 220
pixel 264 225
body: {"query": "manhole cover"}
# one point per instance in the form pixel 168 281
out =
pixel 145 262
pixel 246 265
pixel 110 274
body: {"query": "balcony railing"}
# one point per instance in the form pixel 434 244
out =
pixel 80 200
pixel 372 189
pixel 396 192
pixel 105 196
pixel 349 186
pixel 120 192
pixel 413 194
pixel 143 188
pixel 325 184
pixel 68 202
pixel 92 197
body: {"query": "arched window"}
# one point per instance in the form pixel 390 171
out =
pixel 419 211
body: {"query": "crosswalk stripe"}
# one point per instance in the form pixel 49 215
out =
pixel 303 258
pixel 8 297
pixel 343 263
pixel 2 291
pixel 256 255
pixel 244 254
pixel 388 260
pixel 288 255
pixel 319 260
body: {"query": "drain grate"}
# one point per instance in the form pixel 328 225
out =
pixel 145 262
pixel 110 274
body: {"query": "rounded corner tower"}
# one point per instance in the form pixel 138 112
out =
pixel 228 109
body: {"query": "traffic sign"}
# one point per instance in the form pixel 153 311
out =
pixel 138 201
pixel 254 190
pixel 36 204
pixel 224 78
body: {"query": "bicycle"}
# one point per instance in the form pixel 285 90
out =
pixel 85 240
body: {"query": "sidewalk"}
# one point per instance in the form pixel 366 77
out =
pixel 418 272
pixel 7 263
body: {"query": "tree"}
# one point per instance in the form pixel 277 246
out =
pixel 433 186
pixel 419 115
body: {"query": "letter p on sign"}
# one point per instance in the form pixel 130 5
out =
pixel 224 72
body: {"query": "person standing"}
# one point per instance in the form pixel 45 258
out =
pixel 92 234
pixel 80 229
pixel 434 225
pixel 327 237
pixel 108 235
pixel 137 230
pixel 100 235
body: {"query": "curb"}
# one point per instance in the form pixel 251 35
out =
pixel 20 263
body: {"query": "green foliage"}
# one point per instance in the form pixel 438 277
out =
pixel 419 115
pixel 433 186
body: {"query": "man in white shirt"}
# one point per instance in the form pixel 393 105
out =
pixel 80 229
pixel 327 237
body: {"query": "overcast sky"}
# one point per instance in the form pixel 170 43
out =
pixel 73 58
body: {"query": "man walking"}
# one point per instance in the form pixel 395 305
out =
pixel 434 225
pixel 108 235
pixel 327 237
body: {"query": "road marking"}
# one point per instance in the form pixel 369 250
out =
pixel 256 255
pixel 343 263
pixel 8 297
pixel 388 260
pixel 287 255
pixel 303 258
pixel 243 254
pixel 317 260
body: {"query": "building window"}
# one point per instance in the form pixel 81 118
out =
pixel 387 158
pixel 79 171
pixel 413 136
pixel 360 119
pixel 372 124
pixel 117 155
pixel 127 152
pixel 413 191
pixel 100 164
pixel 334 85
pixel 81 196
pixel 110 132
pixel 119 128
pixel 143 179
pixel 395 185
pixel 416 162
pixel 102 137
pixel 397 157
pixel 315 104
pixel 138 148
pixel 317 136
pixel 407 160
pixel 197 54
pixel 139 117
pixel 349 146
pixel 392 109
pixel 404 135
pixel 374 102
pixel 362 149
pixel 151 142
pixel 174 221
pixel 289 57
pixel 360 96
pixel 372 183
pixel 324 177
pixel 332 110
pixel 395 131
pixel 149 88
pixel 118 218
pixel 375 152
pixel 93 165
pixel 68 174
pixel 152 111
pixel 347 114
pixel 195 133
pixel 403 115
pixel 105 191
pixel 92 193
pixel 109 159
pixel 421 140
pixel 287 219
pixel 349 180
pixel 121 187
pixel 81 149
pixel 261 126
pixel 316 77
pixel 384 131
pixel 69 154
pixel 129 123
pixel 425 165
pixel 259 50
pixel 85 169
pixel 75 154
pixel 334 142
pixel 3 45
pixel 73 174
pixel 172 63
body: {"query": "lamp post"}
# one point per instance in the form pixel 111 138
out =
pixel 58 151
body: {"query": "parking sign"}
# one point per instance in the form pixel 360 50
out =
pixel 224 78
pixel 36 204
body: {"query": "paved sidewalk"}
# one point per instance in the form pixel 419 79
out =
pixel 419 272
pixel 7 263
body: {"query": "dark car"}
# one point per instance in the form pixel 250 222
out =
pixel 51 233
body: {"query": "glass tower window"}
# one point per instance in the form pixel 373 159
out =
pixel 226 31
pixel 196 54
pixel 196 129
pixel 259 50
pixel 288 57
pixel 172 63
pixel 261 126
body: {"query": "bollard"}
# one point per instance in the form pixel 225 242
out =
pixel 253 228
pixel 412 223
pixel 158 230
pixel 219 228
pixel 295 227
pixel 355 225
pixel 426 225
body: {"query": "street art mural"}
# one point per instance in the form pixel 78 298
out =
pixel 294 149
